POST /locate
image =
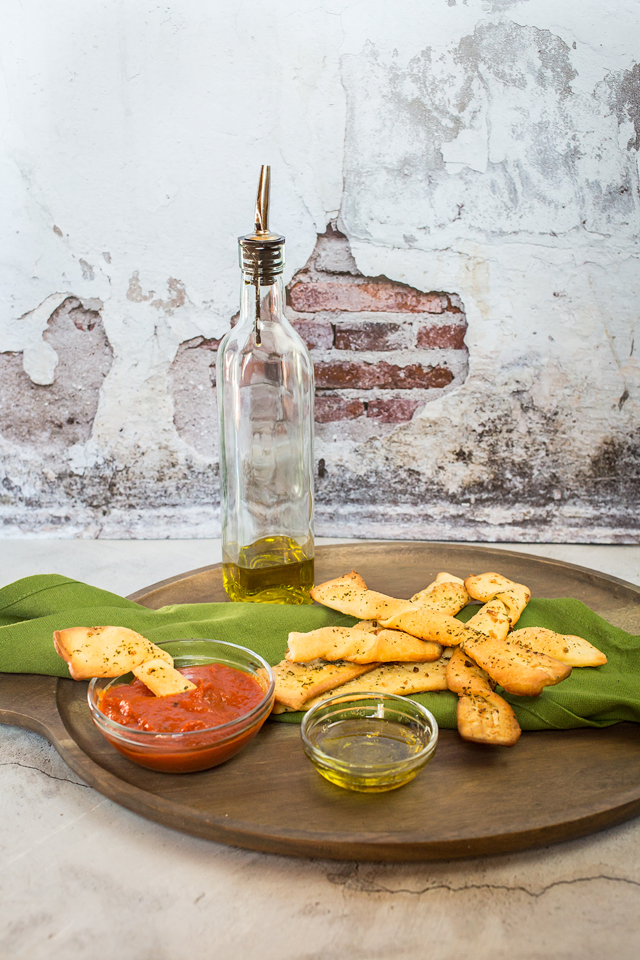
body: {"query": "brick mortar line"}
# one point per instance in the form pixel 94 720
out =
pixel 380 356
pixel 377 316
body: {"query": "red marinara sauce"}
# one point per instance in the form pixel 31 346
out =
pixel 222 694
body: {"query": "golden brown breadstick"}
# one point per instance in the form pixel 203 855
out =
pixel 487 718
pixel 483 716
pixel 363 643
pixel 399 678
pixel 465 676
pixel 563 647
pixel 485 586
pixel 104 651
pixel 488 586
pixel 491 619
pixel 446 596
pixel 349 594
pixel 297 682
pixel 429 625
pixel 161 678
pixel 515 666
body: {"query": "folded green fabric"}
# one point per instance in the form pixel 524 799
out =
pixel 32 608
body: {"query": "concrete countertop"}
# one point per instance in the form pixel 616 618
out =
pixel 84 878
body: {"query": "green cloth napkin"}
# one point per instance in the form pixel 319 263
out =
pixel 32 608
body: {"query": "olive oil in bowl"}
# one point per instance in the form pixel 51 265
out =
pixel 371 742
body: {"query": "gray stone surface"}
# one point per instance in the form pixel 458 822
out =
pixel 83 879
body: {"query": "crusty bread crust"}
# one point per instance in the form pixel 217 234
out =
pixel 489 586
pixel 349 594
pixel 161 678
pixel 399 678
pixel 516 667
pixel 297 682
pixel 104 651
pixel 483 716
pixel 446 596
pixel 486 586
pixel 487 718
pixel 363 643
pixel 491 619
pixel 429 625
pixel 464 676
pixel 564 647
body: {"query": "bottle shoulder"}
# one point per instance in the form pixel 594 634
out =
pixel 277 339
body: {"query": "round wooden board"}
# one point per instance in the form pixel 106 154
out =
pixel 471 800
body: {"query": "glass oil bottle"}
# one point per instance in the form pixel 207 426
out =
pixel 265 408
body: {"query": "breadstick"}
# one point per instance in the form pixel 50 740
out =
pixel 566 648
pixel 161 678
pixel 487 718
pixel 486 586
pixel 364 643
pixel 491 620
pixel 516 667
pixel 465 676
pixel 104 651
pixel 429 625
pixel 483 716
pixel 297 682
pixel 349 594
pixel 489 586
pixel 447 596
pixel 399 678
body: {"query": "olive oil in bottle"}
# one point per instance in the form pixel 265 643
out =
pixel 272 570
pixel 265 411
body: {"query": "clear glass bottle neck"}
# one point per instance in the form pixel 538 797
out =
pixel 261 301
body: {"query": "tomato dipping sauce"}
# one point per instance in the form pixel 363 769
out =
pixel 222 694
pixel 190 735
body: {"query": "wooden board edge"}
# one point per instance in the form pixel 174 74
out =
pixel 407 848
pixel 319 846
pixel 139 595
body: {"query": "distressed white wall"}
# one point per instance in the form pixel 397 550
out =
pixel 486 149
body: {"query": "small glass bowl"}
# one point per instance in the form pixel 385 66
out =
pixel 191 750
pixel 370 742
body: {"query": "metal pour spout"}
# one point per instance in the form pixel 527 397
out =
pixel 262 252
pixel 262 201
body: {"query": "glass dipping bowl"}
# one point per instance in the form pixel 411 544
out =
pixel 370 742
pixel 191 750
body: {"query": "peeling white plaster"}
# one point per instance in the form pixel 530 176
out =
pixel 469 149
pixel 24 334
pixel 482 148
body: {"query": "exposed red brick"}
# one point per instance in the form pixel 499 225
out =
pixel 440 377
pixel 367 376
pixel 205 344
pixel 392 411
pixel 447 336
pixel 328 409
pixel 200 343
pixel 372 296
pixel 317 334
pixel 368 336
pixel 333 376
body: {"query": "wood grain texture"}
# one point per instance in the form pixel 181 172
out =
pixel 471 800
